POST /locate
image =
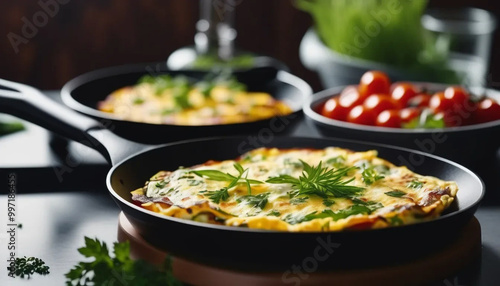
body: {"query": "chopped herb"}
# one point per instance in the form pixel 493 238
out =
pixel 298 201
pixel 205 87
pixel 194 182
pixel 426 120
pixel 19 225
pixel 293 163
pixel 181 98
pixel 319 181
pixel 28 266
pixel 259 201
pixel 168 111
pixel 219 195
pixel 138 100
pixel 274 213
pixel 327 213
pixel 328 202
pixel 396 193
pixel 373 206
pixel 161 184
pixel 415 184
pixel 337 162
pixel 117 270
pixel 370 176
pixel 395 220
pixel 186 177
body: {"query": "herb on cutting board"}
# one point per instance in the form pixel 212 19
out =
pixel 118 270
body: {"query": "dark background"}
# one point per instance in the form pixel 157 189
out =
pixel 91 34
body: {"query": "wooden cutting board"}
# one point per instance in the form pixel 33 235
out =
pixel 435 267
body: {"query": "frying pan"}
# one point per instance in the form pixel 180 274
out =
pixel 243 248
pixel 84 92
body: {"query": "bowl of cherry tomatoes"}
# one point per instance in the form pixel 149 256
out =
pixel 454 122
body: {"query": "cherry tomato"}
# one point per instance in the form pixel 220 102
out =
pixel 350 97
pixel 389 118
pixel 361 115
pixel 379 102
pixel 374 82
pixel 456 94
pixel 409 113
pixel 440 103
pixel 487 110
pixel 332 109
pixel 419 100
pixel 402 92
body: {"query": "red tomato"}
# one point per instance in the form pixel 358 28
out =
pixel 409 113
pixel 389 118
pixel 332 109
pixel 350 97
pixel 487 110
pixel 360 115
pixel 456 94
pixel 420 100
pixel 374 82
pixel 439 103
pixel 402 92
pixel 379 102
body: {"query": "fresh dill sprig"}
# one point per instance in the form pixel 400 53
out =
pixel 320 181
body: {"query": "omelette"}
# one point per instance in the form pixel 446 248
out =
pixel 177 101
pixel 330 189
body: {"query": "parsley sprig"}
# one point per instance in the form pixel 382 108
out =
pixel 242 177
pixel 320 181
pixel 117 270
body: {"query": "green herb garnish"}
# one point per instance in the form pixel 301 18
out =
pixel 337 162
pixel 395 220
pixel 118 270
pixel 370 175
pixel 233 181
pixel 274 213
pixel 28 266
pixel 319 181
pixel 328 202
pixel 327 213
pixel 259 201
pixel 396 194
pixel 161 184
pixel 415 184
pixel 138 100
pixel 298 201
pixel 219 195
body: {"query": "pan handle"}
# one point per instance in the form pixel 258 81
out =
pixel 30 104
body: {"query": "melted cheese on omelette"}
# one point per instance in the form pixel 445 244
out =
pixel 183 104
pixel 387 195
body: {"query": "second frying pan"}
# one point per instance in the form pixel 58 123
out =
pixel 84 93
pixel 243 248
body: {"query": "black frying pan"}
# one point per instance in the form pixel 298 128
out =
pixel 248 248
pixel 84 92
